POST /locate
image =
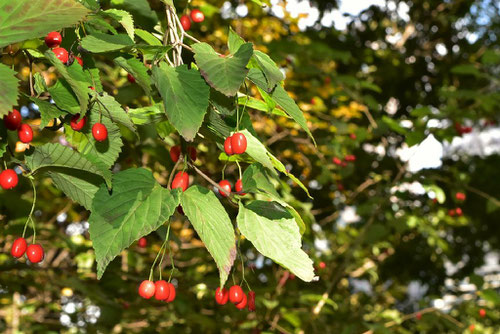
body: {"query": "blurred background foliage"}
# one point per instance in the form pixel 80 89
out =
pixel 400 86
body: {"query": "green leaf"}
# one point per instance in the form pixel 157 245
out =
pixel 78 185
pixel 394 125
pixel 234 41
pixel 8 89
pixel 257 179
pixel 48 111
pixel 281 97
pixel 137 69
pixel 124 18
pixel 75 77
pixel 137 206
pixel 257 150
pixel 252 102
pixel 212 223
pixel 113 110
pixel 105 152
pixel 40 84
pixel 53 155
pixel 275 234
pixel 226 74
pixel 64 97
pixel 466 69
pixel 3 139
pixel 98 42
pixel 147 115
pixel 185 96
pixel 280 167
pixel 269 68
pixel 440 195
pixel 25 19
pixel 491 296
pixel 148 37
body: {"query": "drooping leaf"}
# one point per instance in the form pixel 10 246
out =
pixel 212 223
pixel 76 184
pixel 98 42
pixel 257 179
pixel 234 41
pixel 148 37
pixel 124 18
pixel 111 109
pixel 147 115
pixel 48 111
pixel 54 155
pixel 185 96
pixel 394 125
pixel 137 206
pixel 137 69
pixel 226 74
pixel 25 19
pixel 63 96
pixel 271 71
pixel 280 167
pixel 275 234
pixel 105 152
pixel 257 150
pixel 75 77
pixel 40 85
pixel 8 89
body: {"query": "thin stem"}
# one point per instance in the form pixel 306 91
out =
pixel 181 157
pixel 239 168
pixel 31 212
pixel 156 259
pixel 164 249
pixel 212 182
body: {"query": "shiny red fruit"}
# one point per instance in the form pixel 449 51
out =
pixel 18 248
pixel 458 211
pixel 171 293
pixel 451 213
pixel 147 289
pixel 228 148
pixel 352 136
pixel 35 253
pixel 337 161
pixel 142 242
pixel 236 294
pixel 100 132
pixel 221 296
pixel 13 120
pixel 224 184
pixel 53 39
pixel 243 303
pixel 76 123
pixel 239 187
pixel 238 143
pixel 162 291
pixel 25 133
pixel 322 265
pixel 130 78
pixel 79 60
pixel 192 153
pixel 472 327
pixel 460 196
pixel 482 313
pixel 181 180
pixel 197 16
pixel 185 22
pixel 251 301
pixel 61 54
pixel 350 157
pixel 175 153
pixel 8 179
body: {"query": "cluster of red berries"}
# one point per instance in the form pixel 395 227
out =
pixel 460 196
pixel 53 40
pixel 455 212
pixel 175 153
pixel 13 122
pixel 161 290
pixel 348 158
pixel 226 185
pixel 462 129
pixel 235 144
pixel 196 15
pixel 99 130
pixel 34 252
pixel 236 296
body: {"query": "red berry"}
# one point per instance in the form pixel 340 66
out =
pixel 79 60
pixel 224 184
pixel 460 196
pixel 197 15
pixel 192 153
pixel 185 22
pixel 100 132
pixel 243 303
pixel 239 187
pixel 236 294
pixel 350 157
pixel 162 291
pixel 458 211
pixel 228 146
pixel 472 327
pixel 171 293
pixel 352 136
pixel 419 316
pixel 78 123
pixel 61 54
pixel 147 289
pixel 18 247
pixel 13 120
pixel 181 180
pixel 221 296
pixel 142 242
pixel 175 153
pixel 91 87
pixel 130 78
pixel 482 313
pixel 337 161
pixel 238 143
pixel 53 39
pixel 8 179
pixel 251 301
pixel 25 133
pixel 451 213
pixel 322 265
pixel 35 253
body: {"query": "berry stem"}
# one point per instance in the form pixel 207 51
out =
pixel 164 249
pixel 30 216
pixel 156 259
pixel 239 169
pixel 181 157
